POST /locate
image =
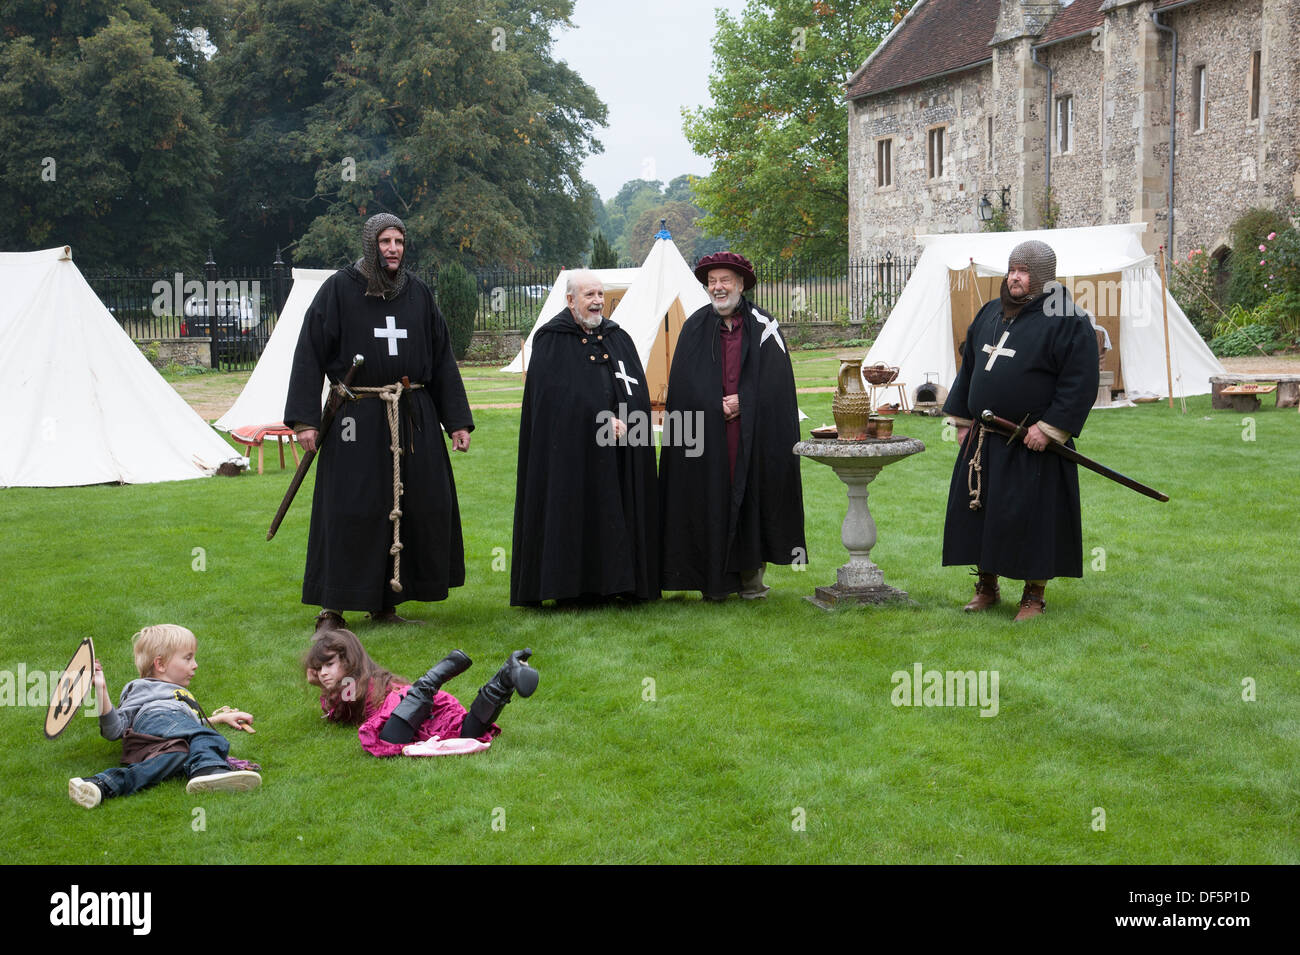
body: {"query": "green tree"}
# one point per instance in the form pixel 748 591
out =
pixel 680 218
pixel 108 146
pixel 603 255
pixel 275 72
pixel 455 117
pixel 457 296
pixel 777 132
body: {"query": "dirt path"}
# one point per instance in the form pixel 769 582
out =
pixel 1263 365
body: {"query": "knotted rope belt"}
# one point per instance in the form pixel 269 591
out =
pixel 392 397
pixel 975 469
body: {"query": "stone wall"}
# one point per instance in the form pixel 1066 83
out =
pixel 884 219
pixel 1217 172
pixel 181 351
pixel 1116 170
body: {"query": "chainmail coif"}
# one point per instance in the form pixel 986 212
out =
pixel 379 281
pixel 1039 259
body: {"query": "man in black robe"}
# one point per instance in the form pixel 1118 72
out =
pixel 377 309
pixel 586 501
pixel 734 500
pixel 1030 356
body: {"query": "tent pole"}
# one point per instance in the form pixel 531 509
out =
pixel 1164 304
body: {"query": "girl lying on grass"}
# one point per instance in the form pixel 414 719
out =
pixel 392 713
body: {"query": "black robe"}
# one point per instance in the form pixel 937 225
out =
pixel 714 529
pixel 1029 526
pixel 586 509
pixel 348 560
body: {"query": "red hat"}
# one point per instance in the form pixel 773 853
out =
pixel 726 260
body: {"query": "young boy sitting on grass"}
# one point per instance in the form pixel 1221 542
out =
pixel 164 730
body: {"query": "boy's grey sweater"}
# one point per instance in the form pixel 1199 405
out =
pixel 156 695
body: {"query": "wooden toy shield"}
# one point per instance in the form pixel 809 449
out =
pixel 73 687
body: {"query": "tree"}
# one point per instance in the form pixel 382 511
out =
pixel 680 219
pixel 777 132
pixel 454 116
pixel 603 255
pixel 457 296
pixel 107 143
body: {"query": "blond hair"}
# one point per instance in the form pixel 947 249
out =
pixel 160 640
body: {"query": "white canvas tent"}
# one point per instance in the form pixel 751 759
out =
pixel 263 398
pixel 82 404
pixel 659 297
pixel 1108 273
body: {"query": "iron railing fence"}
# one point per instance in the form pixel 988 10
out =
pixel 237 307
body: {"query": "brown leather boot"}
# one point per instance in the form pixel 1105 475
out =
pixel 1032 603
pixel 986 593
pixel 329 620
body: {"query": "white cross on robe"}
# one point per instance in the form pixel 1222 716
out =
pixel 628 380
pixel 995 352
pixel 392 333
pixel 769 329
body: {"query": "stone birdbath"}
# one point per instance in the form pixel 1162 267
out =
pixel 857 463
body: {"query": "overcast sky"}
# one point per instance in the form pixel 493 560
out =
pixel 645 62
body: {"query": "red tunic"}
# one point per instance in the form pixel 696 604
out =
pixel 732 341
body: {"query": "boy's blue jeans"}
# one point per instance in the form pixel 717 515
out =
pixel 208 748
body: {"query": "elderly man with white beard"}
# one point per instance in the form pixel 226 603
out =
pixel 738 505
pixel 586 502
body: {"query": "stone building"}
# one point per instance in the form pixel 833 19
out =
pixel 1024 101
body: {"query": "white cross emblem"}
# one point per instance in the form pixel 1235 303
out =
pixel 628 380
pixel 392 333
pixel 769 329
pixel 995 352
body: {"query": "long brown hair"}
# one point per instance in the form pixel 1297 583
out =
pixel 350 702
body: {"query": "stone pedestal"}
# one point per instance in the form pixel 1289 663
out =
pixel 857 463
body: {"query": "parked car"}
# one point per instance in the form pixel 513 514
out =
pixel 233 324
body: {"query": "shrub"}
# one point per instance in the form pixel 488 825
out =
pixel 457 296
pixel 1193 282
pixel 1249 265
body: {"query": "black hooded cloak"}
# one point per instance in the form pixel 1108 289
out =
pixel 586 508
pixel 348 560
pixel 714 529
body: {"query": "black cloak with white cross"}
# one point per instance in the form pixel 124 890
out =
pixel 714 528
pixel 1039 366
pixel 586 504
pixel 348 560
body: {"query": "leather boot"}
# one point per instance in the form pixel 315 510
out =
pixel 516 676
pixel 1032 603
pixel 414 709
pixel 330 620
pixel 986 593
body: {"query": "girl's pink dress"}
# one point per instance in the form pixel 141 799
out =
pixel 444 721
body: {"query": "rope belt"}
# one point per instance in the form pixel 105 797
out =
pixel 392 397
pixel 975 469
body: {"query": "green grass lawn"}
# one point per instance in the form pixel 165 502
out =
pixel 688 732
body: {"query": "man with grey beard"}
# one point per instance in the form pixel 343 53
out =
pixel 586 500
pixel 738 505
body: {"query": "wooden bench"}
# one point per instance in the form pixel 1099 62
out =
pixel 1224 391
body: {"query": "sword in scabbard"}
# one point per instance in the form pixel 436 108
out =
pixel 1004 427
pixel 326 419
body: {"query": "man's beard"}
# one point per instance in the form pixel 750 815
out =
pixel 591 322
pixel 732 300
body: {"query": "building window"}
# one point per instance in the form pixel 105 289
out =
pixel 1254 84
pixel 934 154
pixel 1199 110
pixel 1064 124
pixel 884 163
pixel 988 155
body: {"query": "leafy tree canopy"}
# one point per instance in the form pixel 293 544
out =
pixel 777 132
